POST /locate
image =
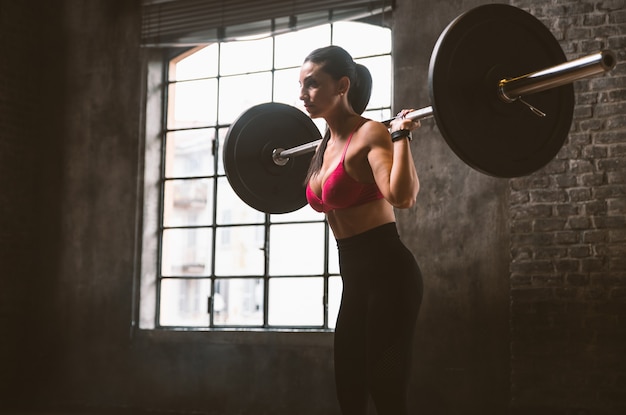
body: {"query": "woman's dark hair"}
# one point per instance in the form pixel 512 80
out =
pixel 338 63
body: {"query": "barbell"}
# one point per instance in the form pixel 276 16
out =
pixel 498 122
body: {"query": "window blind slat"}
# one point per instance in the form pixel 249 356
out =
pixel 192 22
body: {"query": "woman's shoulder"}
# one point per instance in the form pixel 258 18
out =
pixel 374 133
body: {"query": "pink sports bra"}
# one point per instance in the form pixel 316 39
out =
pixel 340 190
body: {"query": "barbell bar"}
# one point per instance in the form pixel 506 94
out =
pixel 472 84
pixel 281 156
pixel 509 90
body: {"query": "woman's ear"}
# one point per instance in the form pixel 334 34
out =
pixel 344 85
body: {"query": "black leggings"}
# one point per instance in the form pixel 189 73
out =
pixel 382 293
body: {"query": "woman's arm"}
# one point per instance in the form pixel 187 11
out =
pixel 392 163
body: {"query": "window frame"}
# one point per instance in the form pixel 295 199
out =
pixel 152 256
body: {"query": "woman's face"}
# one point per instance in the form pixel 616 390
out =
pixel 319 92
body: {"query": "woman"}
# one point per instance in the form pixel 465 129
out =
pixel 358 174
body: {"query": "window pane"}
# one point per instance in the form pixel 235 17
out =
pixel 195 64
pixel 192 104
pixel 188 202
pixel 297 249
pixel 189 153
pixel 184 302
pixel 239 251
pixel 239 93
pixel 186 252
pixel 362 39
pixel 380 67
pixel 301 215
pixel 378 115
pixel 287 88
pixel 296 302
pixel 231 209
pixel 335 288
pixel 246 56
pixel 221 133
pixel 321 125
pixel 238 302
pixel 333 255
pixel 293 47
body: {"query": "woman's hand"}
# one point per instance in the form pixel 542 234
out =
pixel 401 123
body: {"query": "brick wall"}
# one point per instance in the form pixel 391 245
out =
pixel 568 244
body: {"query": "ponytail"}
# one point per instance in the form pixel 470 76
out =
pixel 361 89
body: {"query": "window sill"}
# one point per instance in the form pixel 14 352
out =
pixel 283 337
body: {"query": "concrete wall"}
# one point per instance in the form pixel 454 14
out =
pixel 458 231
pixel 71 90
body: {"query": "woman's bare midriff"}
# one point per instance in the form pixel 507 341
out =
pixel 358 219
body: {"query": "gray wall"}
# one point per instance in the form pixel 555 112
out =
pixel 458 231
pixel 71 90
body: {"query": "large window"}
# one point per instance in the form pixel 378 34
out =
pixel 218 262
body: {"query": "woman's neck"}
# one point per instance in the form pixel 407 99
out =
pixel 342 124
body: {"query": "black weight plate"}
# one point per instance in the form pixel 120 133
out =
pixel 248 162
pixel 477 50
